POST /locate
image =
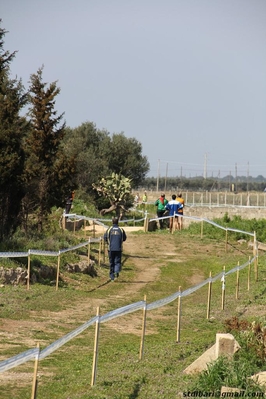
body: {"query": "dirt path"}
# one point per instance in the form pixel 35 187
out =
pixel 139 250
pixel 141 254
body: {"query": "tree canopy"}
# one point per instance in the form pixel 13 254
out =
pixel 48 170
pixel 41 160
pixel 13 128
pixel 100 154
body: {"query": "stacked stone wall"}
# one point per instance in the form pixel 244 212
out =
pixel 218 212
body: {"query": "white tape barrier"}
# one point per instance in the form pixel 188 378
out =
pixel 82 217
pixel 31 353
pixel 47 253
pixel 60 342
pixel 210 206
pixel 99 221
pixel 207 221
pixel 19 359
pixel 61 251
pixel 173 297
pixel 162 302
pixel 122 311
pixel 101 319
pixel 14 254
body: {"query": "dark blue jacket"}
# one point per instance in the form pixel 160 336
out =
pixel 115 236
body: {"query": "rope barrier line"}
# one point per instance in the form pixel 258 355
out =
pixel 207 221
pixel 35 352
pixel 46 253
pixel 98 221
pixel 18 359
pixel 31 353
pixel 122 311
pixel 61 341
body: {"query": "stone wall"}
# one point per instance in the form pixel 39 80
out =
pixel 218 212
pixel 16 276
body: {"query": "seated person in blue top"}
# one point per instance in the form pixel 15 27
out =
pixel 173 207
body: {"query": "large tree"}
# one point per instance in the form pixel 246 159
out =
pixel 49 171
pixel 99 154
pixel 12 130
pixel 125 157
pixel 85 144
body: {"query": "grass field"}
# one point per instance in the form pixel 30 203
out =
pixel 156 265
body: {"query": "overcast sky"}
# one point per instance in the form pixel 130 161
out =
pixel 186 78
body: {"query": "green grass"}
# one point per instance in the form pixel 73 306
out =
pixel 66 373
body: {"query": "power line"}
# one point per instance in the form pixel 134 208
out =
pixel 177 168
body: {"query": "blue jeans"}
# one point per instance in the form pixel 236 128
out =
pixel 115 262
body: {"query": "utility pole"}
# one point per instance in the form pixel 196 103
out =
pixel 205 167
pixel 236 175
pixel 166 172
pixel 248 178
pixel 158 175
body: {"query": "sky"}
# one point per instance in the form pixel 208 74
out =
pixel 186 78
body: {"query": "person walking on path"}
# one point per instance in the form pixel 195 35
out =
pixel 69 202
pixel 114 236
pixel 173 207
pixel 180 219
pixel 144 200
pixel 136 199
pixel 145 197
pixel 161 203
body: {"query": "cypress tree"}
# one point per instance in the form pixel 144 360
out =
pixel 12 130
pixel 48 170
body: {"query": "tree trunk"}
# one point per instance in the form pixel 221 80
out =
pixel 119 211
pixel 112 208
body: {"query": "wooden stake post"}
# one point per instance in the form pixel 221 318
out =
pixel 237 281
pixel 58 271
pixel 34 382
pixel 223 289
pixel 255 253
pixel 89 250
pixel 95 352
pixel 201 229
pixel 249 267
pixel 64 221
pixel 146 222
pixel 99 253
pixel 178 316
pixel 226 239
pixel 74 228
pixel 104 250
pixel 209 297
pixel 141 351
pixel 28 276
